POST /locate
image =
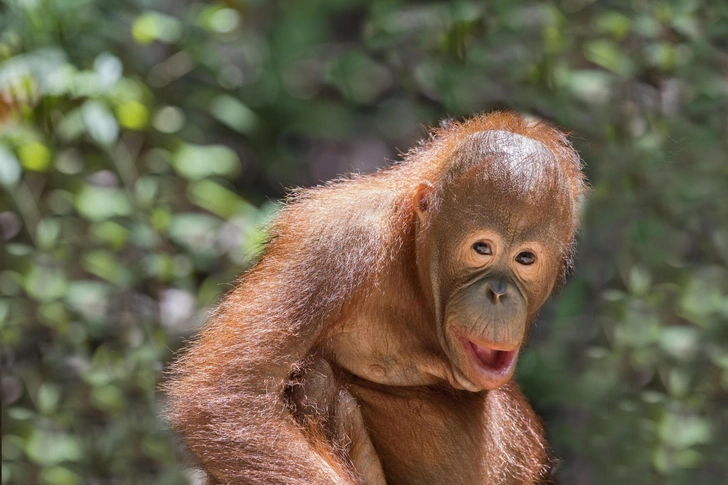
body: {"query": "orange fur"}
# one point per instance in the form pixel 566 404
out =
pixel 336 252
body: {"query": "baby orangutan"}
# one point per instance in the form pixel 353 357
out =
pixel 375 339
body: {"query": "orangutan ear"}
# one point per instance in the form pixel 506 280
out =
pixel 421 199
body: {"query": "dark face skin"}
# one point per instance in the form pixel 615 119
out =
pixel 496 249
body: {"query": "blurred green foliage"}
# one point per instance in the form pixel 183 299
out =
pixel 144 142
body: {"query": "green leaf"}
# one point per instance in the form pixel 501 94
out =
pixel 684 430
pixel 234 114
pixel 108 398
pixel 59 475
pixel 89 298
pixel 132 115
pixel 35 156
pixel 219 200
pixel 680 342
pixel 47 448
pixel 106 265
pixel 99 203
pixel 9 167
pixel 639 280
pixel 100 123
pixel 198 161
pixel 45 283
pixel 613 23
pixel 151 26
pixel 48 397
pixel 195 231
pixel 609 55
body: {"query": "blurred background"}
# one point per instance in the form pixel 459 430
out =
pixel 144 142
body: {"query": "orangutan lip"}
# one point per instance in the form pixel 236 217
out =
pixel 491 360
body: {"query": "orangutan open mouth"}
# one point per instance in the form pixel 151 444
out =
pixel 493 359
pixel 494 362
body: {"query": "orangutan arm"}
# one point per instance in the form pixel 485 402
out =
pixel 226 399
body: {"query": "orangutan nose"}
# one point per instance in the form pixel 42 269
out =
pixel 497 289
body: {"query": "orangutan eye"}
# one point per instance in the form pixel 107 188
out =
pixel 525 258
pixel 483 248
